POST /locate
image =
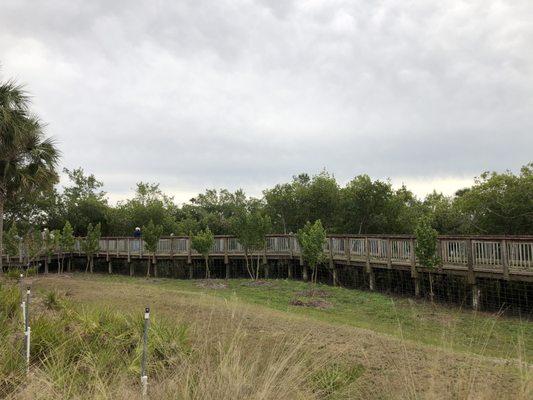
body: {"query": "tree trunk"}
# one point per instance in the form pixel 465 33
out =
pixel 1 236
pixel 248 264
pixel 87 265
pixel 92 264
pixel 69 264
pixel 148 270
pixel 431 294
pixel 207 272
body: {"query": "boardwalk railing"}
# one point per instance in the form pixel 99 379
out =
pixel 500 254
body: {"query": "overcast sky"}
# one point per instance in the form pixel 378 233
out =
pixel 197 94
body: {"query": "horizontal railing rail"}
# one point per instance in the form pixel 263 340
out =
pixel 502 254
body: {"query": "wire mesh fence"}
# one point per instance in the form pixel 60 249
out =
pixel 441 286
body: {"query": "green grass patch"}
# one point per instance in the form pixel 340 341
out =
pixel 445 326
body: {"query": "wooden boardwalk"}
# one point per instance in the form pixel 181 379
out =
pixel 500 258
pixel 508 258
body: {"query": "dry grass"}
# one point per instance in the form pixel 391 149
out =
pixel 242 351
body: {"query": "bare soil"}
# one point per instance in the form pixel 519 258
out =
pixel 314 293
pixel 257 283
pixel 211 284
pixel 313 303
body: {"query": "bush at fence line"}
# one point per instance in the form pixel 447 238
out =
pixel 70 343
pixel 14 273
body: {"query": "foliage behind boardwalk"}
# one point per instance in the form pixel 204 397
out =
pixel 497 203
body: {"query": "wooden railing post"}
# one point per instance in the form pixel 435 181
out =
pixel 128 249
pixel 330 251
pixel 389 253
pixel 189 250
pixel 470 262
pixel 505 259
pixel 367 255
pixel 172 247
pixel 369 270
pixel 414 272
pixel 291 250
pixel 347 249
pixel 440 255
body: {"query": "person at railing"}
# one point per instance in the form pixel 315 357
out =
pixel 137 242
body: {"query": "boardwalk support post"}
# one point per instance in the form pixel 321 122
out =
pixel 471 277
pixel 476 297
pixel 305 274
pixel 335 276
pixel 109 266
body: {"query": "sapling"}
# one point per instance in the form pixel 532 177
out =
pixel 203 242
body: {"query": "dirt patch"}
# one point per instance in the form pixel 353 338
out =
pixel 314 293
pixel 312 303
pixel 257 283
pixel 208 284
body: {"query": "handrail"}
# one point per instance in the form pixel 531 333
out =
pixel 501 254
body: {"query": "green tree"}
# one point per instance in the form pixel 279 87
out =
pixel 68 244
pixel 366 205
pixel 445 216
pixel 12 241
pixel 499 203
pixel 84 202
pixel 312 238
pixel 203 242
pixel 151 235
pixel 149 203
pixel 49 242
pixel 426 248
pixel 306 198
pixel 91 245
pixel 55 247
pixel 33 241
pixel 251 225
pixel 27 158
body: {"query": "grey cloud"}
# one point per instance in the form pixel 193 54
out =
pixel 241 93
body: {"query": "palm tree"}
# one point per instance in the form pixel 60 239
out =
pixel 27 157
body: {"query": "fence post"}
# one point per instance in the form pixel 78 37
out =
pixel 144 376
pixel 28 329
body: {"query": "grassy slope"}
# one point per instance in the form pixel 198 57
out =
pixel 261 318
pixel 462 330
